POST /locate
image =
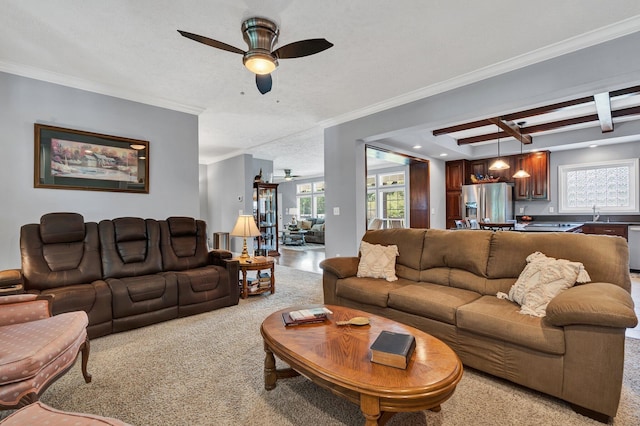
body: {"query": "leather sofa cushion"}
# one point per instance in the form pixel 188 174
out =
pixel 63 256
pixel 143 295
pixel 500 319
pixel 188 248
pixel 463 249
pixel 130 246
pixel 46 266
pixel 129 229
pixel 61 228
pixel 431 300
pixel 371 291
pixel 181 226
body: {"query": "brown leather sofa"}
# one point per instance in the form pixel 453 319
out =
pixel 447 285
pixel 127 272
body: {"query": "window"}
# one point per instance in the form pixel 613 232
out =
pixel 391 179
pixel 385 196
pixel 392 204
pixel 310 198
pixel 371 205
pixel 610 186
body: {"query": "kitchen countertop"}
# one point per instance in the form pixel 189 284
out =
pixel 548 227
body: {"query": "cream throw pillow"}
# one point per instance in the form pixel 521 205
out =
pixel 541 280
pixel 377 261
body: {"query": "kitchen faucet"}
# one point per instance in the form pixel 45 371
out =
pixel 596 214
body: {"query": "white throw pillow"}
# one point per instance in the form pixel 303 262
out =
pixel 377 261
pixel 541 280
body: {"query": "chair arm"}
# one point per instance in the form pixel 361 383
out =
pixel 217 257
pixel 10 277
pixel 601 304
pixel 341 267
pixel 24 308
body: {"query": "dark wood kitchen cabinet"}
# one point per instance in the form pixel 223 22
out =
pixel 604 228
pixel 535 187
pixel 455 172
pixel 455 176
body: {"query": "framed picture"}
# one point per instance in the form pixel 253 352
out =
pixel 73 159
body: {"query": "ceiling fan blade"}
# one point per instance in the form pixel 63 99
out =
pixel 213 43
pixel 263 81
pixel 302 48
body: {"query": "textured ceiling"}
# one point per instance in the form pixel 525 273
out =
pixel 385 53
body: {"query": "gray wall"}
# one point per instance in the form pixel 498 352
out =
pixel 228 185
pixel 587 71
pixel 173 156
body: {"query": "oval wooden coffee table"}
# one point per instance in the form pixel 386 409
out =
pixel 338 358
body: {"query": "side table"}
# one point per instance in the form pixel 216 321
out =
pixel 258 264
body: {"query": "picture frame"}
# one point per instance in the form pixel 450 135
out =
pixel 75 159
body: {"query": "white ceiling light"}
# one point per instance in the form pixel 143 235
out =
pixel 499 164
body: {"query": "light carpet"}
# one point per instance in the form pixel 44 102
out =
pixel 208 370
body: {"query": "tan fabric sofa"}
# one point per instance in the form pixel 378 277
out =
pixel 447 286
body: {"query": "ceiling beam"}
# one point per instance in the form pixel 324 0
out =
pixel 514 116
pixel 512 130
pixel 603 107
pixel 544 127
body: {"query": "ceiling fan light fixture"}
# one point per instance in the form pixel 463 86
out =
pixel 260 63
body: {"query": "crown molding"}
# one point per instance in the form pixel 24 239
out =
pixel 591 38
pixel 96 87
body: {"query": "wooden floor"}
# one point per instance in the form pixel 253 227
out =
pixel 303 260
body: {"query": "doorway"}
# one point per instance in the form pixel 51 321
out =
pixel 397 189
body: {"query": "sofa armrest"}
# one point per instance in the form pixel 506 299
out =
pixel 601 304
pixel 217 257
pixel 341 267
pixel 11 282
pixel 10 277
pixel 24 308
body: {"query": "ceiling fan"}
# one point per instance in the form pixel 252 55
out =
pixel 261 35
pixel 287 175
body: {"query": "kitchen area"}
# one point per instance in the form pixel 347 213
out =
pixel 501 203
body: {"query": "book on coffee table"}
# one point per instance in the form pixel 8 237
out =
pixel 393 349
pixel 305 316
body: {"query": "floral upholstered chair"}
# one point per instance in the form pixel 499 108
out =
pixel 37 348
pixel 41 414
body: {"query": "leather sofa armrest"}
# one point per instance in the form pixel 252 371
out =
pixel 10 277
pixel 341 267
pixel 217 257
pixel 600 304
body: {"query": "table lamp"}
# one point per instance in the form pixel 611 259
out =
pixel 245 227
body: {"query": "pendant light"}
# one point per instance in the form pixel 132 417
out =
pixel 521 173
pixel 499 164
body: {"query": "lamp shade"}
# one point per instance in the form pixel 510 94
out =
pixel 499 164
pixel 521 174
pixel 245 227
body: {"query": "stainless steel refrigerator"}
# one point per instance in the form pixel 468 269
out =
pixel 484 202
